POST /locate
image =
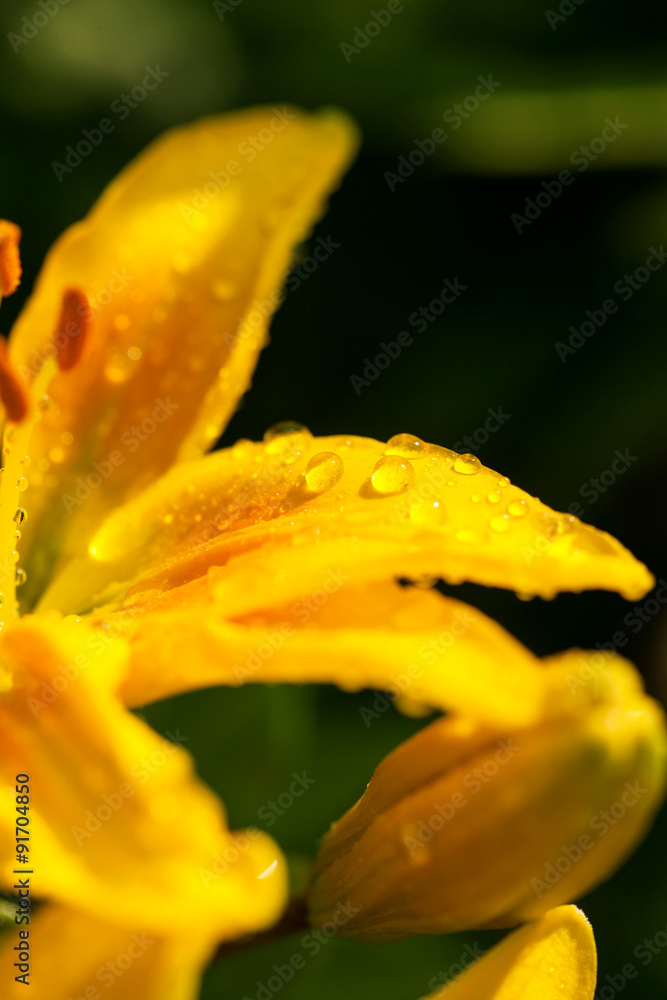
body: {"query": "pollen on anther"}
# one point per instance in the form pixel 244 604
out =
pixel 12 391
pixel 10 261
pixel 73 328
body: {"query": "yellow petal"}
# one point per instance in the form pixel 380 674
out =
pixel 551 959
pixel 120 827
pixel 283 511
pixel 74 955
pixel 411 643
pixel 467 826
pixel 181 261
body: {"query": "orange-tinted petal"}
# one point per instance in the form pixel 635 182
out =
pixel 120 827
pixel 181 261
pixel 279 514
pixel 420 647
pixel 553 958
pixel 74 955
pixel 10 260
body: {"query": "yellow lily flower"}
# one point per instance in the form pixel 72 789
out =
pixel 551 959
pixel 466 826
pixel 162 569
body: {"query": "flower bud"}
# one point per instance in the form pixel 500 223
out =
pixel 464 826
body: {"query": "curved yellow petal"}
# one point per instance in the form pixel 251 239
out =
pixel 295 505
pixel 71 954
pixel 119 825
pixel 551 959
pixel 420 647
pixel 181 262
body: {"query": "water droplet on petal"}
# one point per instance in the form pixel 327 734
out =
pixel 476 497
pixel 406 445
pixel 20 576
pixel 518 508
pixel 500 523
pixel 493 496
pixel 323 471
pixel 283 428
pixel 19 515
pixel 392 474
pixel 467 465
pixel 558 526
pixel 22 484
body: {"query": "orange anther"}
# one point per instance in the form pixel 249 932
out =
pixel 12 391
pixel 10 261
pixel 73 328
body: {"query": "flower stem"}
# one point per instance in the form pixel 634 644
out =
pixel 294 919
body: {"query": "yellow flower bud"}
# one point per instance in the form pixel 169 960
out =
pixel 464 826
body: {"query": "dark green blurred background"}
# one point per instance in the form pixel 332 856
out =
pixel 560 77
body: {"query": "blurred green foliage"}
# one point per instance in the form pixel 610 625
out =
pixel 563 71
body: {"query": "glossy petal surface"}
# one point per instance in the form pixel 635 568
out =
pixel 120 826
pixel 181 260
pixel 551 959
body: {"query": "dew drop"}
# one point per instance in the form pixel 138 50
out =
pixel 19 515
pixel 20 576
pixel 467 465
pixel 22 484
pixel 559 526
pixel 476 497
pixel 391 475
pixel 518 508
pixel 43 404
pixel 493 496
pixel 500 523
pixel 323 471
pixel 283 428
pixel 406 446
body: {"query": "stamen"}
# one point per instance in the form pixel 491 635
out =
pixel 12 391
pixel 73 327
pixel 10 261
